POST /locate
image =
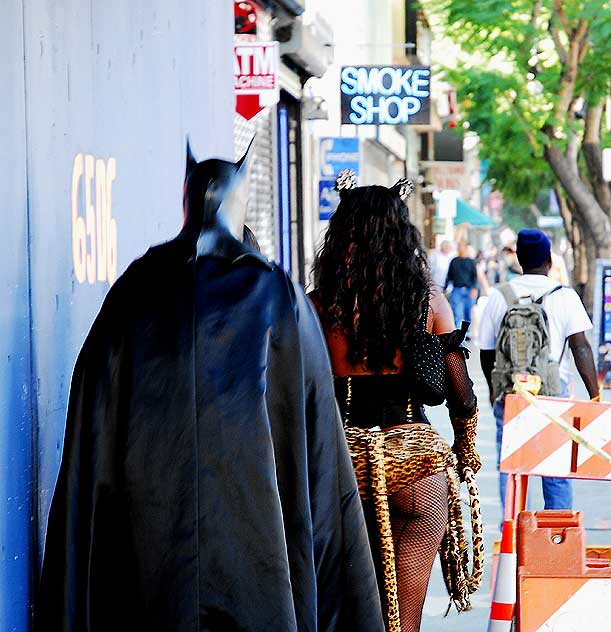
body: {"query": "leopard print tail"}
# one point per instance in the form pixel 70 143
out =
pixel 454 548
pixel 382 511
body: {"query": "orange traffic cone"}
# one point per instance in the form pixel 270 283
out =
pixel 504 599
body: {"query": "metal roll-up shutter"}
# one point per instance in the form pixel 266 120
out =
pixel 260 215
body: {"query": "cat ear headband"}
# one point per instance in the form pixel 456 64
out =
pixel 346 180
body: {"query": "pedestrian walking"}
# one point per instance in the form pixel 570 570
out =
pixel 439 262
pixel 510 265
pixel 374 331
pixel 206 482
pixel 531 324
pixel 462 276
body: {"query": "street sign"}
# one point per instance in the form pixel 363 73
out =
pixel 601 337
pixel 256 76
pixel 446 207
pixel 385 95
pixel 607 164
pixel 447 175
pixel 337 154
pixel 328 198
pixel 549 221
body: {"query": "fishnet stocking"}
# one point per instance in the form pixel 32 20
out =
pixel 418 516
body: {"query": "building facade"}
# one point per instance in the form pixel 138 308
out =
pixel 99 100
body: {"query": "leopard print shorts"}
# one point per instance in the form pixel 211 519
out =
pixel 386 461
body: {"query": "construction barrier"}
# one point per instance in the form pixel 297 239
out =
pixel 504 598
pixel 559 587
pixel 534 444
pixel 550 436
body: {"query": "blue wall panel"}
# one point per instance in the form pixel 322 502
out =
pixel 122 81
pixel 15 404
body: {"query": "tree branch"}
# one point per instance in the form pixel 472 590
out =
pixel 572 152
pixel 559 11
pixel 593 120
pixel 535 210
pixel 555 35
pixel 525 126
pixel 578 46
pixel 580 33
pixel 533 24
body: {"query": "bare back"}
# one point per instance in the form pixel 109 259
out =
pixel 440 320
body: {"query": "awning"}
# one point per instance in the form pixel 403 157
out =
pixel 466 214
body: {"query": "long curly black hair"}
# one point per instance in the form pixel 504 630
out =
pixel 371 275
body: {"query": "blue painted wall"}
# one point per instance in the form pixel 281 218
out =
pixel 16 428
pixel 114 79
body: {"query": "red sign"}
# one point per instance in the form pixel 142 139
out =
pixel 245 13
pixel 256 76
pixel 447 175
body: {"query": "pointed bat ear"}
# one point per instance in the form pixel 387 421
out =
pixel 404 188
pixel 345 180
pixel 191 161
pixel 244 159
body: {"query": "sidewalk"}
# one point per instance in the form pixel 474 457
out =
pixel 591 497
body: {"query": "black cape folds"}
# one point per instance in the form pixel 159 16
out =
pixel 205 482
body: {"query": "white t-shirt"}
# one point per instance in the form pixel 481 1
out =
pixel 565 312
pixel 439 264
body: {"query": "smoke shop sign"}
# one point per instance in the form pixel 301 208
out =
pixel 385 95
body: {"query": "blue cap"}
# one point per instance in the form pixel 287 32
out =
pixel 533 248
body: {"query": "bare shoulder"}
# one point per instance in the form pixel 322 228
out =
pixel 441 319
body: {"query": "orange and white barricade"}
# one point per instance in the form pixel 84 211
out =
pixel 549 436
pixel 559 588
pixel 504 598
pixel 534 445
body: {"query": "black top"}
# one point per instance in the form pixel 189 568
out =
pixel 462 273
pixel 366 401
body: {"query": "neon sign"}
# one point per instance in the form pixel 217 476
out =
pixel 385 95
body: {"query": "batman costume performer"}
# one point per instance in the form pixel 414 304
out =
pixel 205 482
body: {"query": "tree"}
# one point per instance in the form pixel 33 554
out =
pixel 532 78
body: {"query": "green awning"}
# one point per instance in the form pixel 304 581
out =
pixel 466 214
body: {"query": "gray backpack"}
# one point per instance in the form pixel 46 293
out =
pixel 523 345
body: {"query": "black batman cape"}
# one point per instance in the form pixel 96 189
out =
pixel 205 482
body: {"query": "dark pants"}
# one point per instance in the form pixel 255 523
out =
pixel 461 302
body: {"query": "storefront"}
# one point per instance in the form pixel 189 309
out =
pixel 277 195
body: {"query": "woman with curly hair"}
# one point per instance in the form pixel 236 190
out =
pixel 373 292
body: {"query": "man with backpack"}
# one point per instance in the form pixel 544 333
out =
pixel 528 326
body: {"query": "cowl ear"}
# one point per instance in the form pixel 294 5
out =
pixel 191 161
pixel 244 159
pixel 404 188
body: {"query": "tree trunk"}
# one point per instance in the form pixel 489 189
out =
pixel 571 229
pixel 593 158
pixel 585 249
pixel 587 206
pixel 580 278
pixel 591 253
